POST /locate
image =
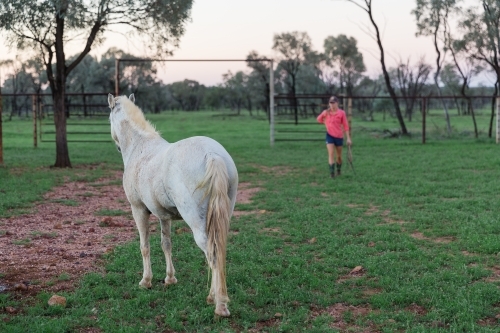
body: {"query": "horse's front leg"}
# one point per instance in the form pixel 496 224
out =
pixel 166 245
pixel 141 217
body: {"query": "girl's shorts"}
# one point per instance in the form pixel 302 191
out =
pixel 339 142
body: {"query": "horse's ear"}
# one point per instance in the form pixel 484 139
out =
pixel 111 101
pixel 132 98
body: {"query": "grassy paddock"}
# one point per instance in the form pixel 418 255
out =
pixel 422 221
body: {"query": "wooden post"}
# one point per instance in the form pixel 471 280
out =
pixel 349 113
pixel 1 132
pixel 33 108
pixel 117 77
pixel 40 116
pixel 498 120
pixel 423 101
pixel 271 102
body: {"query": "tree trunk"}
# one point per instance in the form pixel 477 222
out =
pixel 62 151
pixel 387 79
pixel 471 109
pixel 493 102
pixel 58 86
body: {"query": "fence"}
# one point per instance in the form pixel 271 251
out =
pixel 85 112
pixel 423 116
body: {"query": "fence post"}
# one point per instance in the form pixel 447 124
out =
pixel 498 120
pixel 33 109
pixel 271 103
pixel 349 113
pixel 1 132
pixel 117 77
pixel 423 102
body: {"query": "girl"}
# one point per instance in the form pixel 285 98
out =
pixel 336 125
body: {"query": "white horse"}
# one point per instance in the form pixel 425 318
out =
pixel 194 179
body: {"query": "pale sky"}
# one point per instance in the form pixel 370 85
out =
pixel 230 29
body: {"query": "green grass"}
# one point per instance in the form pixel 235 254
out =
pixel 422 221
pixel 110 212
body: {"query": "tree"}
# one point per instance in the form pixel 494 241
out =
pixel 367 7
pixel 410 81
pixel 432 20
pixel 468 68
pixel 343 52
pixel 260 73
pixel 188 94
pixel 21 80
pixel 48 25
pixel 236 90
pixel 295 50
pixel 481 41
pixel 451 80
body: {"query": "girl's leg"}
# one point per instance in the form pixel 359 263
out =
pixel 331 158
pixel 339 158
pixel 331 153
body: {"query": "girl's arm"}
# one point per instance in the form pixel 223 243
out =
pixel 321 117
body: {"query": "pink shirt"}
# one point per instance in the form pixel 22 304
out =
pixel 334 123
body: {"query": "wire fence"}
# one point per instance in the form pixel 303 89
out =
pixel 423 116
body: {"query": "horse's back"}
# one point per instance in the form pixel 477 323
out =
pixel 180 168
pixel 192 152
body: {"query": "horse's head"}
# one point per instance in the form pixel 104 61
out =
pixel 116 104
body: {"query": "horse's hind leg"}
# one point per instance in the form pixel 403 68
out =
pixel 218 289
pixel 166 245
pixel 141 217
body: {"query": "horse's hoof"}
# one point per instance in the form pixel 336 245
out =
pixel 171 280
pixel 222 310
pixel 210 299
pixel 145 285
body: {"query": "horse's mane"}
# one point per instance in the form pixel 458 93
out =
pixel 136 117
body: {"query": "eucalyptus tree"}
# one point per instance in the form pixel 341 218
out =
pixel 481 40
pixel 366 5
pixel 188 94
pixel 342 52
pixel 468 68
pixel 260 74
pixel 294 52
pixel 237 94
pixel 433 20
pixel 50 25
pixel 20 80
pixel 452 84
pixel 410 79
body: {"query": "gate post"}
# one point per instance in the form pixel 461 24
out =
pixel 33 110
pixel 117 77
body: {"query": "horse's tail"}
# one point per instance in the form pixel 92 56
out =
pixel 216 182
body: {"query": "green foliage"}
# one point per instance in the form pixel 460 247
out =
pixel 421 220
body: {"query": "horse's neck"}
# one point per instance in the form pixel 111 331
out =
pixel 139 143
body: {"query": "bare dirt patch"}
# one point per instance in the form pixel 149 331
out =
pixel 63 236
pixel 276 170
pixel 441 240
pixel 495 276
pixel 344 316
pixel 244 196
